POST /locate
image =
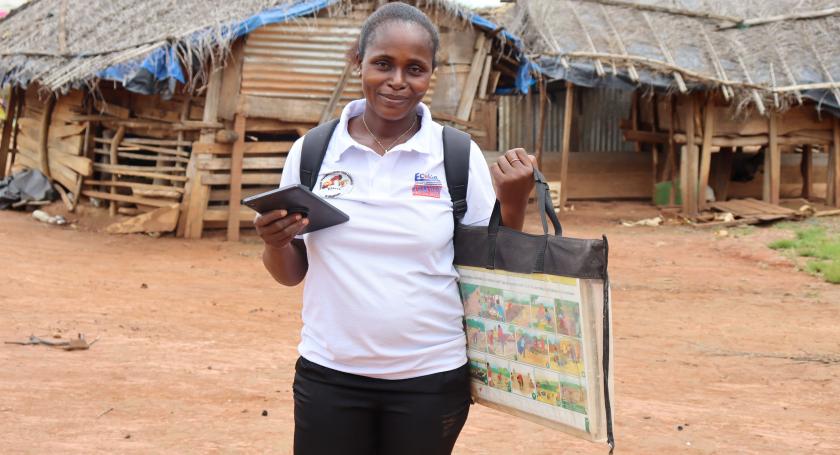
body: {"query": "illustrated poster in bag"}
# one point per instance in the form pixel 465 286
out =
pixel 537 321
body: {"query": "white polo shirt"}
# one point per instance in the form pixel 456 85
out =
pixel 381 298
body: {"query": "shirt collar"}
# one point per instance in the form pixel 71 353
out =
pixel 419 142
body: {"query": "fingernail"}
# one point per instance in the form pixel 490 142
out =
pixel 282 213
pixel 297 217
pixel 305 221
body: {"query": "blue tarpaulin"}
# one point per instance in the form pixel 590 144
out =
pixel 524 78
pixel 160 71
pixel 157 73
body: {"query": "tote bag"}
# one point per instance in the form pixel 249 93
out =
pixel 537 321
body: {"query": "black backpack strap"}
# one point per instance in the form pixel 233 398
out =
pixel 456 163
pixel 315 145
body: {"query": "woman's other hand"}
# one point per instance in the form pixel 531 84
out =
pixel 278 228
pixel 513 176
pixel 513 180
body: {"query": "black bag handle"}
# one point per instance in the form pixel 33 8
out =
pixel 545 208
pixel 544 194
pixel 543 201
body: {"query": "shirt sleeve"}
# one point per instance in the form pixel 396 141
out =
pixel 480 193
pixel 291 168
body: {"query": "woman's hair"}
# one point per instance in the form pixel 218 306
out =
pixel 394 12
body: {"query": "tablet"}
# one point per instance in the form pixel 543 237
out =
pixel 298 199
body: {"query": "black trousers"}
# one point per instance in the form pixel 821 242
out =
pixel 341 413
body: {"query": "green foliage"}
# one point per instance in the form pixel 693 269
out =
pixel 784 244
pixel 830 270
pixel 742 231
pixel 818 243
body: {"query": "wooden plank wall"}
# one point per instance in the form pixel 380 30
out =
pixel 141 149
pixel 51 141
pixel 716 126
pixel 595 175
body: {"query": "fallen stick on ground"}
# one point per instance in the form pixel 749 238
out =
pixel 826 359
pixel 76 344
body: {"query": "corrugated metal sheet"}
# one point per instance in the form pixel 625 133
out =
pixel 597 121
pixel 596 125
pixel 302 59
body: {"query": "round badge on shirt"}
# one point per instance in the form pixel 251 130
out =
pixel 335 184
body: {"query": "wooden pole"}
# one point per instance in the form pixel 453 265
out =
pixel 194 203
pixel 115 145
pixel 634 118
pixel 485 77
pixel 8 126
pixel 179 147
pixel 655 149
pixel 806 167
pixel 654 170
pixel 529 141
pixel 568 113
pixel 236 178
pixel 834 167
pixel 88 146
pixel 689 161
pixel 473 78
pixel 541 125
pixel 671 159
pixel 706 154
pixel 327 113
pixel 18 114
pixel 772 163
pixel 829 188
pixel 504 128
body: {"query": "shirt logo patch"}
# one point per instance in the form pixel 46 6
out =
pixel 426 185
pixel 335 184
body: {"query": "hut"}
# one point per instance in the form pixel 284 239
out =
pixel 171 112
pixel 695 95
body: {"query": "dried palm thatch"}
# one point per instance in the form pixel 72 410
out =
pixel 758 53
pixel 64 44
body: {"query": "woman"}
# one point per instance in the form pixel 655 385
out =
pixel 383 365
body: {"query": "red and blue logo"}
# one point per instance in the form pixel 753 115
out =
pixel 426 185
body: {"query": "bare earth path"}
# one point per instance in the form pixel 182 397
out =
pixel 718 336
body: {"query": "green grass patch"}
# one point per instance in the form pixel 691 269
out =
pixel 819 244
pixel 784 244
pixel 742 231
pixel 830 270
pixel 788 225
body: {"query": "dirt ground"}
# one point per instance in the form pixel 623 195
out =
pixel 721 345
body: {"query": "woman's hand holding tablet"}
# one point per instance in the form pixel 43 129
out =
pixel 310 211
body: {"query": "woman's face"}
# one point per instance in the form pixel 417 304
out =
pixel 397 69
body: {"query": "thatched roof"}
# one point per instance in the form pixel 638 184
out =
pixel 60 43
pixel 766 54
pixel 67 43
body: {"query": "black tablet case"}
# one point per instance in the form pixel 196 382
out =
pixel 298 199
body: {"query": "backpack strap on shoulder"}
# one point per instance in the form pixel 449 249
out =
pixel 314 149
pixel 456 163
